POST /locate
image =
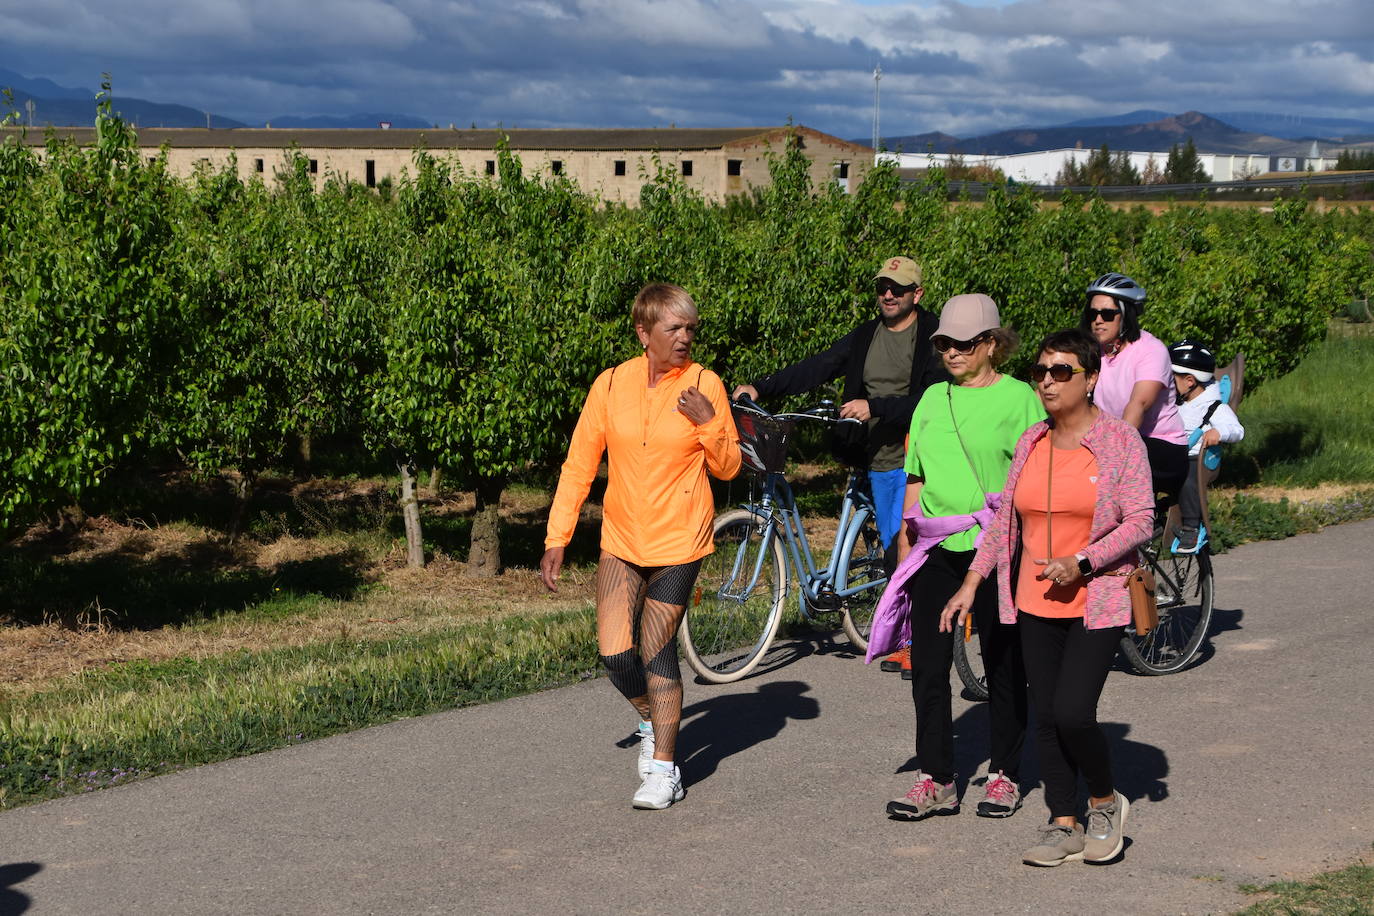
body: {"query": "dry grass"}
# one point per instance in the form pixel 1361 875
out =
pixel 398 600
pixel 1324 493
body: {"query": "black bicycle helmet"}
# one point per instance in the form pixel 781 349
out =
pixel 1191 358
pixel 1121 288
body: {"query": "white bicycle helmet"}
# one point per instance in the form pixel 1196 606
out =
pixel 1121 288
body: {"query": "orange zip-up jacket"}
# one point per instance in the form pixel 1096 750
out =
pixel 658 508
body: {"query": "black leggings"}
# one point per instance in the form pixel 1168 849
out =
pixel 932 655
pixel 1066 666
pixel 1168 469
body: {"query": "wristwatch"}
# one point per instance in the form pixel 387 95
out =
pixel 1084 566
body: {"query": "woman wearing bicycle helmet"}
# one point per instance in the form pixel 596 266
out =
pixel 663 423
pixel 962 437
pixel 1137 376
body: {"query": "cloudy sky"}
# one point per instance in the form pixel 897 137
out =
pixel 962 68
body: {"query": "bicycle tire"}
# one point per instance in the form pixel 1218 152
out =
pixel 720 619
pixel 1184 590
pixel 865 565
pixel 968 662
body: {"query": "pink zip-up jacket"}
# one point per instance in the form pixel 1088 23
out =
pixel 1122 521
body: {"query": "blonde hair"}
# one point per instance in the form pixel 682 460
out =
pixel 656 299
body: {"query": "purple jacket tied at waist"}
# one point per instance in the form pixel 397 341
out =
pixel 892 619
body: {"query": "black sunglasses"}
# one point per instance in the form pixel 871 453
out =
pixel 1060 372
pixel 1104 314
pixel 942 343
pixel 885 286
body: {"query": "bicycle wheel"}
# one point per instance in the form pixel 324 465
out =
pixel 1183 584
pixel 968 661
pixel 865 565
pixel 738 599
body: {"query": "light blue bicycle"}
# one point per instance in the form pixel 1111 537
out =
pixel 742 587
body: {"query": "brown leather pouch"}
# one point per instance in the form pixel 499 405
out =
pixel 1144 611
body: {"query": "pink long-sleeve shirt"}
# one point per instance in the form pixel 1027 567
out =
pixel 1122 521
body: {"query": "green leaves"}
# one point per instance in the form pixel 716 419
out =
pixel 459 323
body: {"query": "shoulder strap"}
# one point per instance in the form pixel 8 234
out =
pixel 1211 409
pixel 949 396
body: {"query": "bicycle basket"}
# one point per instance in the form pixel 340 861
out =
pixel 762 440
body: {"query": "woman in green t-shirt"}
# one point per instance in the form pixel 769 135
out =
pixel 962 438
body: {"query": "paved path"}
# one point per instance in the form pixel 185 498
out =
pixel 1257 763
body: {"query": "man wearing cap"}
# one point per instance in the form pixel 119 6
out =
pixel 887 363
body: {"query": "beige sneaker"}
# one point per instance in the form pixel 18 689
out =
pixel 1105 837
pixel 1057 844
pixel 927 797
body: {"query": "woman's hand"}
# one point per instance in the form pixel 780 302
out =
pixel 956 609
pixel 1059 570
pixel 695 406
pixel 549 566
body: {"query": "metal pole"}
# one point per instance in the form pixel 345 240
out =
pixel 877 75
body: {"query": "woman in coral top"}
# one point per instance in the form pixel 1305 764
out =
pixel 663 422
pixel 1080 504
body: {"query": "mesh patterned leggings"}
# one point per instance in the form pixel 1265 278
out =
pixel 638 609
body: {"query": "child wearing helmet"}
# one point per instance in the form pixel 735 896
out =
pixel 1208 421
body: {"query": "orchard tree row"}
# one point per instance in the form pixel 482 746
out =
pixel 458 323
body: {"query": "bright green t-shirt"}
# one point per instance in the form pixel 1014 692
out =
pixel 991 420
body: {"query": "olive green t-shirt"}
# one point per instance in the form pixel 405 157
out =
pixel 887 374
pixel 991 420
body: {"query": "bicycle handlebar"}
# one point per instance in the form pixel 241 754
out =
pixel 825 412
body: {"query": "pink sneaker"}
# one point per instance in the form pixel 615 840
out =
pixel 927 797
pixel 1001 796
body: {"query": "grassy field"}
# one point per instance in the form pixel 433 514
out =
pixel 139 640
pixel 1314 426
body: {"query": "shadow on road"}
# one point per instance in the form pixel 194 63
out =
pixel 726 725
pixel 11 900
pixel 1138 768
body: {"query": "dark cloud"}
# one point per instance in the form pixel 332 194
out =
pixel 947 65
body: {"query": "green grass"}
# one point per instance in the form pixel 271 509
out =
pixel 1314 425
pixel 1346 892
pixel 107 726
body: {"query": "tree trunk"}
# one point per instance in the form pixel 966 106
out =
pixel 243 495
pixel 301 455
pixel 436 477
pixel 410 514
pixel 484 553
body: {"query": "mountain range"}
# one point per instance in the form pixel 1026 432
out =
pixel 1144 130
pixel 1156 131
pixel 63 106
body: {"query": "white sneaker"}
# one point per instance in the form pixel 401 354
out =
pixel 660 789
pixel 646 752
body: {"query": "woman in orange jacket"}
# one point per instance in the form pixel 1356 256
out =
pixel 663 422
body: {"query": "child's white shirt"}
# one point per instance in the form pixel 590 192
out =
pixel 1224 419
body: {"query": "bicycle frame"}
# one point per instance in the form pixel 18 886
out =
pixel 777 508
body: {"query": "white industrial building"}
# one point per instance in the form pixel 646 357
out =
pixel 1044 166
